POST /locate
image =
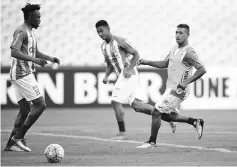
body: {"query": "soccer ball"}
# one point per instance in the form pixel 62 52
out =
pixel 54 153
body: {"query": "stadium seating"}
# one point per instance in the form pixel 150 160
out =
pixel 68 28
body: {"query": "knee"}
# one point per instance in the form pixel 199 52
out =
pixel 43 106
pixel 155 113
pixel 139 106
pixel 40 108
pixel 40 105
pixel 166 117
pixel 172 115
pixel 24 107
pixel 114 103
pixel 135 105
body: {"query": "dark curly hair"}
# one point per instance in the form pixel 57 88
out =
pixel 30 8
pixel 102 23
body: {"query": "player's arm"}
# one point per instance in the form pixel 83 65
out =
pixel 192 59
pixel 109 70
pixel 198 74
pixel 157 64
pixel 126 46
pixel 132 51
pixel 134 60
pixel 16 52
pixel 19 55
pixel 46 57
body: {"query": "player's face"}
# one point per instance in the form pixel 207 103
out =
pixel 181 35
pixel 35 19
pixel 103 32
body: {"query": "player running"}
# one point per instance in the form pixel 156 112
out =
pixel 25 55
pixel 180 62
pixel 122 58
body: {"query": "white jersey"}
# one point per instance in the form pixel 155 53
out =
pixel 181 65
pixel 116 54
pixel 23 40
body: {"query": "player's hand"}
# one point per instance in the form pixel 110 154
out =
pixel 56 60
pixel 179 93
pixel 105 80
pixel 142 62
pixel 127 72
pixel 182 85
pixel 40 62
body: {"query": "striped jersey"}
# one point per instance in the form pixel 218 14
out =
pixel 181 65
pixel 23 40
pixel 115 53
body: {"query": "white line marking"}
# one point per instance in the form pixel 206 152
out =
pixel 223 150
pixel 181 131
pixel 141 130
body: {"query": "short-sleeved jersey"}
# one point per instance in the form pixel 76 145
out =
pixel 181 63
pixel 116 53
pixel 23 40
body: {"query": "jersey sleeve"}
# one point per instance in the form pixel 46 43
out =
pixel 167 58
pixel 191 59
pixel 106 59
pixel 127 46
pixel 18 38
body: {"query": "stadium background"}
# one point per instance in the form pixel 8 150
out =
pixel 68 31
pixel 79 115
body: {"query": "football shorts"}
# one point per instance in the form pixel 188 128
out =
pixel 27 87
pixel 126 90
pixel 169 102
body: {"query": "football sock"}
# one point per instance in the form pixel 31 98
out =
pixel 191 121
pixel 152 139
pixel 22 132
pixel 155 126
pixel 10 143
pixel 20 119
pixel 121 126
pixel 30 120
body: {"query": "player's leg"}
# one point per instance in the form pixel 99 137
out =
pixel 140 106
pixel 135 98
pixel 166 117
pixel 120 95
pixel 145 108
pixel 173 102
pixel 119 114
pixel 22 115
pixel 20 119
pixel 197 123
pixel 176 117
pixel 24 108
pixel 38 107
pixel 155 126
pixel 162 106
pixel 30 90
